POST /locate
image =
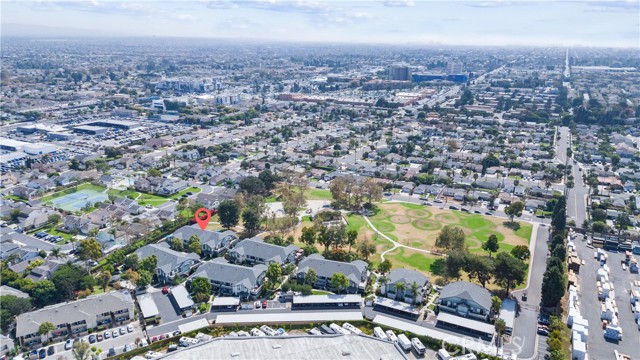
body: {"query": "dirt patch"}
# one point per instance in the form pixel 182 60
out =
pixel 399 219
pixel 426 224
pixel 446 218
pixel 418 213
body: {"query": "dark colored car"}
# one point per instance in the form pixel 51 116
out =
pixel 92 339
pixel 112 352
pixel 452 207
pixel 51 350
pixel 42 353
pixel 327 330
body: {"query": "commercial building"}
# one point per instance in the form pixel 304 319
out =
pixel 90 129
pixel 292 347
pixel 454 68
pixel 399 72
pixel 75 318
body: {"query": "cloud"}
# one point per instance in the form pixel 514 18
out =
pixel 287 6
pixel 399 3
pixel 610 6
pixel 495 3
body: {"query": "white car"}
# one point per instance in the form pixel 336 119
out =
pixel 107 334
pixel 123 331
pixel 130 328
pixel 68 344
pixel 115 333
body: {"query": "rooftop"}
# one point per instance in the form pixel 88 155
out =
pixel 290 347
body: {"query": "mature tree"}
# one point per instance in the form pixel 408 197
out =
pixel 514 210
pixel 149 264
pixel 45 328
pixel 144 278
pixel 366 248
pixel 103 280
pixel 54 219
pixel 451 238
pixel 251 220
pixel 89 249
pixel 352 235
pixel 131 262
pixel 194 245
pixel 371 190
pixel 268 178
pixel 43 293
pixel 479 268
pixel 400 287
pixel 14 215
pixel 308 235
pixel 509 271
pixel 339 282
pixel 385 266
pixel 453 263
pixel 599 215
pixel 176 244
pixel 201 289
pixel 252 185
pixel 491 245
pixel 599 227
pixel 311 277
pixel 81 350
pixel 553 286
pixel 521 252
pixel 117 257
pixel 10 307
pixel 274 272
pixel 622 222
pixel 229 213
pixel 70 278
pixel 154 173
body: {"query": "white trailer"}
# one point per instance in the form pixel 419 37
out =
pixel 418 346
pixel 404 342
pixel 379 333
pixel 392 336
pixel 352 328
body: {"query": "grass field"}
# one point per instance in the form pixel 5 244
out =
pixel 76 198
pixel 179 194
pixel 154 200
pixel 318 194
pixel 417 226
pixel 131 194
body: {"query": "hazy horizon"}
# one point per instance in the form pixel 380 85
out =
pixel 401 22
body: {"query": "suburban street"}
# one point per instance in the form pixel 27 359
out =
pixel 576 198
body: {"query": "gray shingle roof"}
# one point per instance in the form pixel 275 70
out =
pixel 468 291
pixel 221 271
pixel 407 276
pixel 70 312
pixel 206 236
pixel 326 268
pixel 260 249
pixel 167 258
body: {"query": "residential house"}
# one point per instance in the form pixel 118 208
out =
pixel 160 186
pixel 8 290
pixel 465 299
pixel 74 318
pixel 256 251
pixel 407 278
pixel 356 271
pixel 211 201
pixel 24 192
pixel 6 345
pixel 72 223
pixel 213 243
pixel 230 279
pixel 170 262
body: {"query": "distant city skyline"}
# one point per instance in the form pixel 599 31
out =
pixel 401 22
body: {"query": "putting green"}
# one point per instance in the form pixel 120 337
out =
pixel 419 213
pixel 399 219
pixel 446 218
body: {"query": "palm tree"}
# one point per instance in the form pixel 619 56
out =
pixel 57 253
pixel 383 282
pixel 400 286
pixel 413 290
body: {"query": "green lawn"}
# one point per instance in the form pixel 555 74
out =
pixel 154 200
pixel 318 194
pixel 320 292
pixel 525 231
pixel 271 199
pixel 179 194
pixel 13 197
pixel 131 194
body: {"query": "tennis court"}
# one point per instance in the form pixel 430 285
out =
pixel 77 200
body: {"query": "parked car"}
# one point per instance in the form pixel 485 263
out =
pixel 99 337
pixel 123 330
pixel 107 334
pixel 51 350
pixel 453 207
pixel 42 353
pixel 127 347
pixel 543 330
pixel 130 328
pixel 68 344
pixel 112 352
pixel 92 339
pixel 264 304
pixel 172 347
pixel 115 333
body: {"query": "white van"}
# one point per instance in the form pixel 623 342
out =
pixel 379 333
pixel 392 336
pixel 404 342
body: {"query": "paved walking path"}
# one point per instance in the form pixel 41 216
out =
pixel 395 243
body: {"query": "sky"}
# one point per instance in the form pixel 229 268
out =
pixel 449 22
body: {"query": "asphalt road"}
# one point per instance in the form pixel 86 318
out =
pixel 576 199
pixel 523 342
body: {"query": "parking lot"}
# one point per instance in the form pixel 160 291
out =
pixel 117 343
pixel 598 347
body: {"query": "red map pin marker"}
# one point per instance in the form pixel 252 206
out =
pixel 203 222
